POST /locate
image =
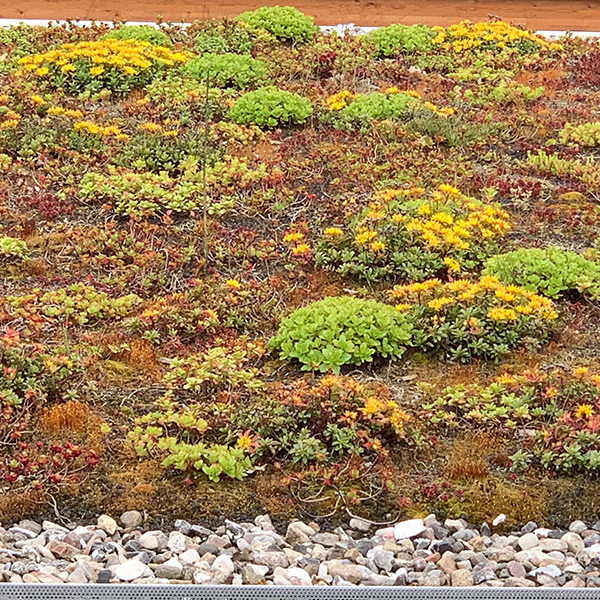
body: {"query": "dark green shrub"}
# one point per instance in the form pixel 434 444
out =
pixel 401 39
pixel 270 107
pixel 140 33
pixel 285 23
pixel 341 331
pixel 226 70
pixel 550 271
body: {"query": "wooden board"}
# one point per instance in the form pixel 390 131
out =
pixel 574 15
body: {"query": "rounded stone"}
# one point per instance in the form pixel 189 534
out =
pixel 130 570
pixel 131 519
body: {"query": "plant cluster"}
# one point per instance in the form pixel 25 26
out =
pixel 409 234
pixel 483 319
pixel 337 331
pixel 550 271
pixel 304 422
pixel 395 40
pixel 270 107
pixel 560 406
pixel 145 194
pixel 112 64
pixel 284 23
pixel 12 249
pixel 78 304
pixel 492 36
pixel 226 70
pixel 585 134
pixel 392 104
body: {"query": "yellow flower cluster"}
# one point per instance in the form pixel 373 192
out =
pixel 12 119
pixel 388 410
pixel 449 219
pixel 506 302
pixel 437 225
pixel 67 112
pixel 465 36
pixel 299 247
pixel 339 100
pixel 128 56
pixel 294 236
pixel 584 411
pixel 152 127
pixel 94 129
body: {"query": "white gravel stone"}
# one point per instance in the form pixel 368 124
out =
pixel 409 529
pixel 130 570
pixel 224 565
pixel 528 541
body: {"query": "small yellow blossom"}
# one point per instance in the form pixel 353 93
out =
pixel 333 231
pixel 584 411
pixel 293 237
pixel 301 249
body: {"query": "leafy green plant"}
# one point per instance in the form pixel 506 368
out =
pixel 505 91
pixel 394 40
pixel 285 23
pixel 226 70
pixel 140 33
pixel 338 331
pixel 158 152
pixel 586 171
pixel 79 304
pixel 379 106
pixel 145 194
pixel 217 365
pixel 585 134
pixel 550 271
pixel 213 460
pixel 12 249
pixel 270 107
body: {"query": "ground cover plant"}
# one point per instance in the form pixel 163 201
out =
pixel 248 263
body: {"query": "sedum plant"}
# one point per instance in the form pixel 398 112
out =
pixel 226 70
pixel 284 23
pixel 414 234
pixel 112 65
pixel 269 107
pixel 12 249
pixel 140 33
pixel 467 320
pixel 401 39
pixel 585 134
pixel 550 271
pixel 342 330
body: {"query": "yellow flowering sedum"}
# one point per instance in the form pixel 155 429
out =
pixel 102 64
pixel 415 234
pixel 339 100
pixel 504 303
pixel 474 319
pixel 467 36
